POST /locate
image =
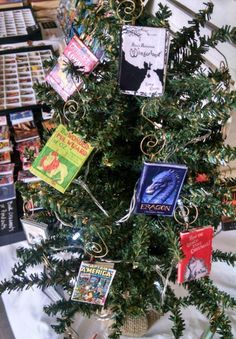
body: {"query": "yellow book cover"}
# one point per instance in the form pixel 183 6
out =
pixel 61 158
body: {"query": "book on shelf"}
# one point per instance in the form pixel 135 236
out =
pixel 10 4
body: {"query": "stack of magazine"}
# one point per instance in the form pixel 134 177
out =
pixel 27 142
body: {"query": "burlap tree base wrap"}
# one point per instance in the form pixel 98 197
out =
pixel 138 326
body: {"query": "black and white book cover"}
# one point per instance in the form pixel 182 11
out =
pixel 35 231
pixel 143 60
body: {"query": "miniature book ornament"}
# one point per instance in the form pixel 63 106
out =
pixel 81 56
pixel 35 231
pixel 159 188
pixel 93 283
pixel 61 158
pixel 143 60
pixel 197 248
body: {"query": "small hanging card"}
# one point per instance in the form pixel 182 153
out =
pixel 197 248
pixel 35 232
pixel 159 188
pixel 143 60
pixel 228 224
pixel 61 158
pixel 81 56
pixel 93 284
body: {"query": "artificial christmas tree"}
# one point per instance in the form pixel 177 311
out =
pixel 94 220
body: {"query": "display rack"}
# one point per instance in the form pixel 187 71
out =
pixel 18 24
pixel 20 69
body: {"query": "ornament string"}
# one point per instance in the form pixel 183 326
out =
pixel 71 333
pixel 131 208
pixel 88 165
pixel 64 223
pixel 63 248
pixel 165 280
pixel 151 141
pixel 183 212
pixel 193 141
pixel 86 188
pixel 198 139
pixel 219 231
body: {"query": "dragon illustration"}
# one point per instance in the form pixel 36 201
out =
pixel 161 189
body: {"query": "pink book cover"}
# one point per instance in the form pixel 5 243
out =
pixel 197 248
pixel 62 82
pixel 78 53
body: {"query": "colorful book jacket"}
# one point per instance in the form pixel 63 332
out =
pixel 143 60
pixel 7 191
pixel 24 126
pixel 93 284
pixel 159 187
pixel 197 248
pixel 61 158
pixel 64 84
pixel 4 133
pixel 26 176
pixel 80 55
pixel 6 169
pixel 5 157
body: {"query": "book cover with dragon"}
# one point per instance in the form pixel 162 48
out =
pixel 159 187
pixel 197 249
pixel 93 283
pixel 61 158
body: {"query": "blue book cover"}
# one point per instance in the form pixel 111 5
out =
pixel 159 188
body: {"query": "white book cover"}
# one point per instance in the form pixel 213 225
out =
pixel 143 60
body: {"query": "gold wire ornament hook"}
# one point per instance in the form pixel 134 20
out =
pixel 129 10
pixel 46 262
pixel 185 211
pixel 150 142
pixel 95 249
pixel 71 107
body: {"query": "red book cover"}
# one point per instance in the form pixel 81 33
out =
pixel 197 248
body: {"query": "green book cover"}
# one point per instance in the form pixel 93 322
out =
pixel 61 158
